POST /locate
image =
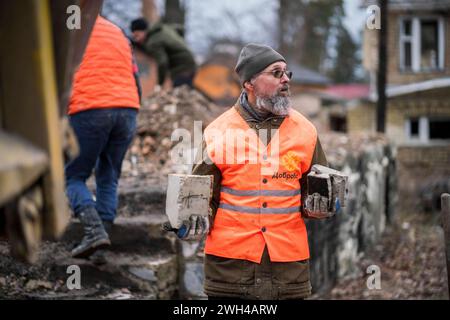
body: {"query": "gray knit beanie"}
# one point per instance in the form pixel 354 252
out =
pixel 254 58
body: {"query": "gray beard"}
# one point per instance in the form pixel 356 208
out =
pixel 276 104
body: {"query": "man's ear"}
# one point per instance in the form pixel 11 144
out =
pixel 248 85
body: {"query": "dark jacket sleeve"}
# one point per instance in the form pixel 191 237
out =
pixel 135 67
pixel 204 166
pixel 136 78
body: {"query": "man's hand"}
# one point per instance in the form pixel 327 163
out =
pixel 194 228
pixel 316 207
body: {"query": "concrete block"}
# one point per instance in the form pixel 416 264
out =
pixel 187 195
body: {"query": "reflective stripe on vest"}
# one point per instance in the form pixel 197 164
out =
pixel 273 193
pixel 258 210
pixel 259 200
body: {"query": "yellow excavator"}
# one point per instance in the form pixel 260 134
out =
pixel 40 49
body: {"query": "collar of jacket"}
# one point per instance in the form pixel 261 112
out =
pixel 245 110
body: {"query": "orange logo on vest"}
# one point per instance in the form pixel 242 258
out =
pixel 290 161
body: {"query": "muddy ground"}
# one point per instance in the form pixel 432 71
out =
pixel 411 260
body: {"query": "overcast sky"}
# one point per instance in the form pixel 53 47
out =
pixel 355 18
pixel 250 20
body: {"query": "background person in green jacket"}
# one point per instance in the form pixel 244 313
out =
pixel 164 44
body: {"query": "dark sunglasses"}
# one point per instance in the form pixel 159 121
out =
pixel 279 73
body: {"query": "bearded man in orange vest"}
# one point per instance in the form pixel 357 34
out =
pixel 102 111
pixel 259 153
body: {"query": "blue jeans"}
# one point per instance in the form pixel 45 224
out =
pixel 104 136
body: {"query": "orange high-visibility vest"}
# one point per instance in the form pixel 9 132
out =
pixel 105 76
pixel 260 190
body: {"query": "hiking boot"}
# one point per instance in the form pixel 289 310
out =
pixel 95 236
pixel 99 256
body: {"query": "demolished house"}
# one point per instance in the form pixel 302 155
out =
pixel 418 97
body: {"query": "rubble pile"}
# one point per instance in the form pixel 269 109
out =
pixel 408 250
pixel 161 114
pixel 335 245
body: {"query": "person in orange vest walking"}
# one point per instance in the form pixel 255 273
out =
pixel 102 111
pixel 259 153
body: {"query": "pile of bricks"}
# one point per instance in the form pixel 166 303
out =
pixel 159 117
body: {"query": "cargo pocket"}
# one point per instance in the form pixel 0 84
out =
pixel 226 270
pixel 290 272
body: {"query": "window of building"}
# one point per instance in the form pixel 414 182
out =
pixel 414 128
pixel 439 128
pixel 421 43
pixel 429 49
pixel 424 129
pixel 338 123
pixel 406 44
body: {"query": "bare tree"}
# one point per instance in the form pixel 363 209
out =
pixel 305 28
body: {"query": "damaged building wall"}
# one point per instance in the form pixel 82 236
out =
pixel 337 244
